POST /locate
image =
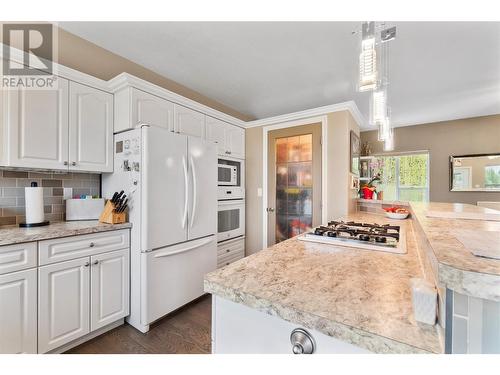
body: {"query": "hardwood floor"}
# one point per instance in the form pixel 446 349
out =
pixel 186 331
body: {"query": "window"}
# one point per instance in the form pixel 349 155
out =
pixel 404 177
pixel 492 176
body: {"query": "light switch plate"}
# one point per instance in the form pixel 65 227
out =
pixel 259 192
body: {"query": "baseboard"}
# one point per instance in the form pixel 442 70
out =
pixel 87 337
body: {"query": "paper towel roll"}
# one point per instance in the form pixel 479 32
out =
pixel 34 205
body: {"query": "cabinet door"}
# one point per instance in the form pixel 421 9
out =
pixel 38 127
pixel 109 299
pixel 189 122
pixel 216 132
pixel 152 110
pixel 63 303
pixel 235 138
pixel 18 312
pixel 90 129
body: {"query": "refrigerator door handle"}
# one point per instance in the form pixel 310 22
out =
pixel 193 171
pixel 186 192
pixel 183 250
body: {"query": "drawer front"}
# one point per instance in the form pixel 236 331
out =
pixel 230 258
pixel 229 252
pixel 230 246
pixel 17 257
pixel 67 248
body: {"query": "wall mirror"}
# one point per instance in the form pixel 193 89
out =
pixel 475 172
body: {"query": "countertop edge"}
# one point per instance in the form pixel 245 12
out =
pixel 367 340
pixel 473 283
pixel 60 232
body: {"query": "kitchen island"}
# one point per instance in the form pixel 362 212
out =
pixel 359 299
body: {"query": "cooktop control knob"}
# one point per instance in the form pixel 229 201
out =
pixel 302 342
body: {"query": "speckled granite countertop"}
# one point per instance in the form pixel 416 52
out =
pixel 13 234
pixel 454 265
pixel 359 296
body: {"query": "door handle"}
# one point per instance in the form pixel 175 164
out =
pixel 184 215
pixel 193 171
pixel 184 249
pixel 270 209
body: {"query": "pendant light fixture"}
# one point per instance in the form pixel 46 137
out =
pixel 373 76
pixel 367 58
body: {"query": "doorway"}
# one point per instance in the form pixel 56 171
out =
pixel 294 181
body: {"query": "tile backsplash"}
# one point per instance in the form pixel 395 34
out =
pixel 12 184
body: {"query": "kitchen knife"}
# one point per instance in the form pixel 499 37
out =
pixel 119 203
pixel 117 199
pixel 123 206
pixel 114 197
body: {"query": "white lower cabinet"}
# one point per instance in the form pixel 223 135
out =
pixel 18 291
pixel 80 296
pixel 109 288
pixel 63 301
pixel 238 329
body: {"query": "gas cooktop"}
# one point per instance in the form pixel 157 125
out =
pixel 381 237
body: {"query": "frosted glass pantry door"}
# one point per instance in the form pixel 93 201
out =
pixel 294 181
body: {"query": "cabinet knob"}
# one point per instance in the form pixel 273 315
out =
pixel 86 264
pixel 302 342
pixel 73 163
pixel 65 163
pixel 95 262
pixel 92 244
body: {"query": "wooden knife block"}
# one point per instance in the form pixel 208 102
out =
pixel 110 217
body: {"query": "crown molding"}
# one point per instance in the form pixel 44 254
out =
pixel 313 112
pixel 124 80
pixel 59 70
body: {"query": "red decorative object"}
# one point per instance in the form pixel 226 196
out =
pixel 367 192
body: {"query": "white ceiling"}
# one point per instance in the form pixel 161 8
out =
pixel 438 71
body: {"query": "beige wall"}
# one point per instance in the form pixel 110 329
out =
pixel 479 135
pixel 340 196
pixel 84 56
pixel 253 181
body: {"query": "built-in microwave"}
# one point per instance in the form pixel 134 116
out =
pixel 230 179
pixel 227 175
pixel 230 219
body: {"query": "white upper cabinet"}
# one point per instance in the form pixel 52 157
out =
pixel 189 122
pixel 66 128
pixel 135 107
pixel 230 139
pixel 235 138
pixel 152 110
pixel 90 129
pixel 36 127
pixel 216 132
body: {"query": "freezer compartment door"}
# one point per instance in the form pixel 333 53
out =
pixel 173 276
pixel 202 156
pixel 165 182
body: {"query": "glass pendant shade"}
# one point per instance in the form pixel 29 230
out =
pixel 384 128
pixel 378 107
pixel 389 140
pixel 368 58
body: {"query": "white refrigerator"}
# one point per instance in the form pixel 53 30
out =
pixel 171 182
